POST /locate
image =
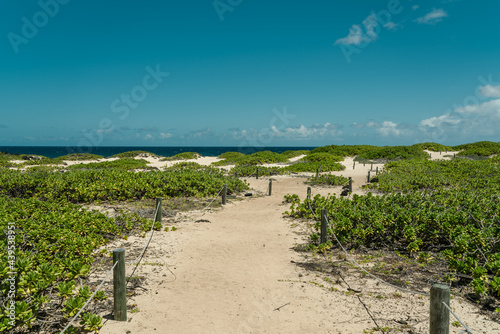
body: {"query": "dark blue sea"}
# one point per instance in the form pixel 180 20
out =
pixel 106 151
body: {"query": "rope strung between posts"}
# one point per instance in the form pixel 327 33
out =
pixel 467 329
pixel 88 300
pixel 314 213
pixel 216 196
pixel 139 258
pixel 150 236
pixel 364 270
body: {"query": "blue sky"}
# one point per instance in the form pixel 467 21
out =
pixel 249 73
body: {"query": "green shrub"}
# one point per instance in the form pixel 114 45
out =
pixel 393 153
pixel 258 158
pixel 122 164
pixel 434 147
pixel 321 157
pixel 80 157
pixel 344 150
pixel 328 180
pixel 251 170
pixel 293 154
pixel 183 156
pixel 132 154
pixel 311 167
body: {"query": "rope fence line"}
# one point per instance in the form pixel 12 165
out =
pixel 367 272
pixel 138 260
pixel 216 196
pixel 465 330
pixel 88 300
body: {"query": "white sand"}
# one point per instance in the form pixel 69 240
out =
pixel 232 274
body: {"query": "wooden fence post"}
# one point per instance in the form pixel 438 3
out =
pixel 158 206
pixel 439 314
pixel 270 186
pixel 354 165
pixel 257 174
pixel 224 194
pixel 308 192
pixel 371 167
pixel 376 171
pixel 368 179
pixel 119 285
pixel 350 184
pixel 323 226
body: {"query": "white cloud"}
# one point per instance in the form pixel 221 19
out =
pixel 391 25
pixel 388 128
pixel 315 131
pixel 490 110
pixel 356 35
pixel 415 7
pixel 439 122
pixel 165 135
pixel 148 136
pixel 470 120
pixel 436 15
pixel 490 91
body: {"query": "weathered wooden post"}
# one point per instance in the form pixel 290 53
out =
pixel 439 314
pixel 224 194
pixel 257 173
pixel 119 285
pixel 320 168
pixel 371 167
pixel 323 226
pixel 350 184
pixel 354 165
pixel 158 208
pixel 376 171
pixel 368 178
pixel 308 192
pixel 317 172
pixel 270 186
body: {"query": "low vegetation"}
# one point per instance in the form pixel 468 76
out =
pixel 446 208
pixel 182 156
pixel 133 154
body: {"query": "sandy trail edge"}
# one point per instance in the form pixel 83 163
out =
pixel 233 273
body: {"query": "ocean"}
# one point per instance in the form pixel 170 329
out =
pixel 106 151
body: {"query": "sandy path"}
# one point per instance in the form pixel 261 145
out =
pixel 233 272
